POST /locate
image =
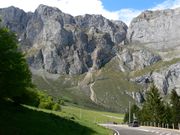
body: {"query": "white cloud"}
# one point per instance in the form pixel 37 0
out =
pixel 74 7
pixel 167 4
pixel 80 7
pixel 128 14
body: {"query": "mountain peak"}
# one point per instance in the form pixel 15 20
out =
pixel 42 9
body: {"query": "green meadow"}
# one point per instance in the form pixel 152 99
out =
pixel 27 120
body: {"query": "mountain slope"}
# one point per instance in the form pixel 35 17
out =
pixel 95 62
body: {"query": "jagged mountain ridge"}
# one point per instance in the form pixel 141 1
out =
pixel 61 43
pixel 59 46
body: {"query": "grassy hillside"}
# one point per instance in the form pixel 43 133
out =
pixel 26 120
pixel 67 88
pixel 91 115
pixel 112 88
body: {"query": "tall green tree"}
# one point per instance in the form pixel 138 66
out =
pixel 153 107
pixel 175 107
pixel 15 76
pixel 167 117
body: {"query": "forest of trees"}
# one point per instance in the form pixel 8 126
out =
pixel 155 111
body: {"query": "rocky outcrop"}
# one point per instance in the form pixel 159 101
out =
pixel 15 19
pixel 166 79
pixel 62 44
pixel 137 96
pixel 136 59
pixel 116 29
pixel 156 29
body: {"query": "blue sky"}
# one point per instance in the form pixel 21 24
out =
pixel 114 5
pixel 124 10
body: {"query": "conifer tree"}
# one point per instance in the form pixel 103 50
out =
pixel 153 108
pixel 175 107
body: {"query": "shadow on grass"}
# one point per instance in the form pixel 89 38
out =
pixel 18 120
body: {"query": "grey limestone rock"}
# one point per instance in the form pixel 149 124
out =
pixel 116 29
pixel 62 44
pixel 136 59
pixel 168 79
pixel 165 80
pixel 156 29
pixel 15 19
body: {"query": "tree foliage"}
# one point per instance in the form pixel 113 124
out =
pixel 156 110
pixel 47 102
pixel 175 107
pixel 153 108
pixel 15 76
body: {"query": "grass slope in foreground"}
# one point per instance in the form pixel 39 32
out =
pixel 24 120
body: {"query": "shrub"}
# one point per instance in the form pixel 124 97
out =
pixel 56 107
pixel 46 102
pixel 61 101
pixel 46 105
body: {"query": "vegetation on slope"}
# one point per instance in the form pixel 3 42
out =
pixel 19 120
pixel 15 76
pixel 91 115
pixel 112 88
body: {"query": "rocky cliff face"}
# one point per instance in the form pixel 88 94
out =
pixel 131 59
pixel 156 29
pixel 62 44
pixel 166 79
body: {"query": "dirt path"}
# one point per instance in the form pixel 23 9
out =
pixel 93 94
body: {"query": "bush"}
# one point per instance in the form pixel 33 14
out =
pixel 61 101
pixel 46 105
pixel 46 102
pixel 56 107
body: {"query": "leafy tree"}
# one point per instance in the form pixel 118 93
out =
pixel 15 76
pixel 153 108
pixel 175 107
